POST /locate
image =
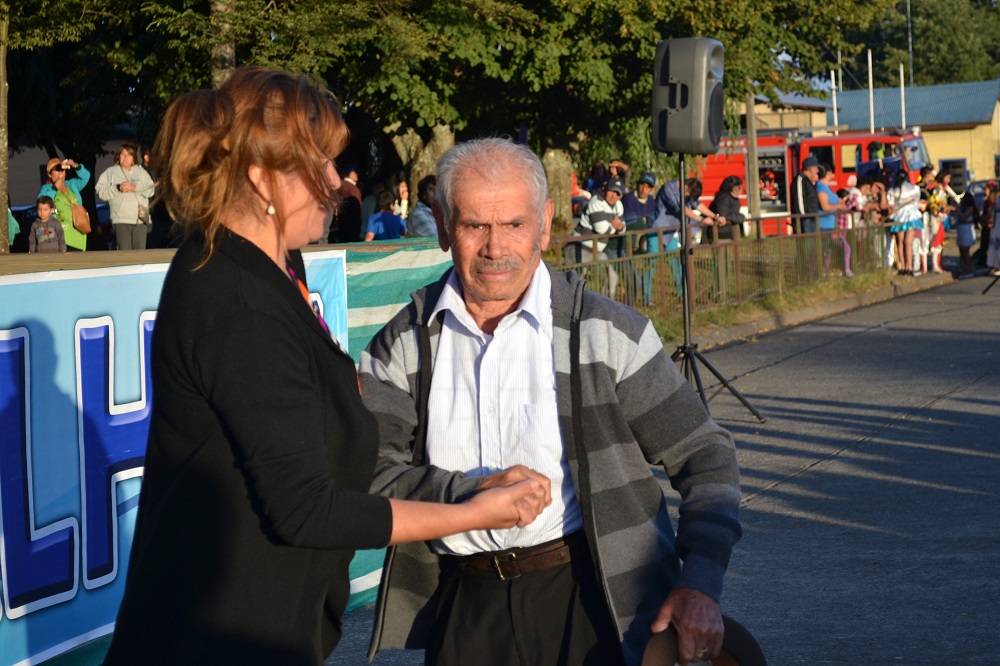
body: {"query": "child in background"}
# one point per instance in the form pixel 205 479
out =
pixel 46 233
pixel 385 224
pixel 855 202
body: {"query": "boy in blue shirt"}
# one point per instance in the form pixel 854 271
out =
pixel 385 224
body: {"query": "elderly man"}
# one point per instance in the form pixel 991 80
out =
pixel 505 369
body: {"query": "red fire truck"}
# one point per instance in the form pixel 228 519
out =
pixel 780 157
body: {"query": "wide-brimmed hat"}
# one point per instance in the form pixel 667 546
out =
pixel 738 645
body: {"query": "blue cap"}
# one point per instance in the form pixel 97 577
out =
pixel 614 185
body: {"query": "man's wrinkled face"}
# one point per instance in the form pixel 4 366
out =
pixel 496 240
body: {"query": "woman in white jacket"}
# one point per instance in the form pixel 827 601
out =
pixel 127 188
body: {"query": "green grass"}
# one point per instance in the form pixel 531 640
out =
pixel 671 328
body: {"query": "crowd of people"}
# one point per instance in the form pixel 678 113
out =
pixel 136 223
pixel 383 213
pixel 915 216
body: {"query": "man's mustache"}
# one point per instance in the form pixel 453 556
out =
pixel 498 265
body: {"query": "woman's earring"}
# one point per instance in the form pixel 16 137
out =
pixel 270 208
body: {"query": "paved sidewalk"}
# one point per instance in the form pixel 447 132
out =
pixel 871 493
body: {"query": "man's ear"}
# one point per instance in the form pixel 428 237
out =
pixel 547 216
pixel 442 230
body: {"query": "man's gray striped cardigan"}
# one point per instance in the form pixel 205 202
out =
pixel 623 407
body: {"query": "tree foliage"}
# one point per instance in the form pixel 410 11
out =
pixel 953 41
pixel 567 75
pixel 36 24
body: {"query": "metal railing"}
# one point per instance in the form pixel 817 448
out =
pixel 642 268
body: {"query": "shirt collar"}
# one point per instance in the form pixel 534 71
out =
pixel 535 306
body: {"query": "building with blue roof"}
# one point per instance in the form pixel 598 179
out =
pixel 960 121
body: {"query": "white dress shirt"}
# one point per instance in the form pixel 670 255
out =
pixel 492 405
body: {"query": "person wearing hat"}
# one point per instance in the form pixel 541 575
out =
pixel 804 199
pixel 639 204
pixel 65 192
pixel 603 215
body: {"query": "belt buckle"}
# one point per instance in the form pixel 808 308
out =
pixel 498 560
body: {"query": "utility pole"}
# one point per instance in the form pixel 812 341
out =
pixel 753 169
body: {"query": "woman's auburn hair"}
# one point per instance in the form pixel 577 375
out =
pixel 209 139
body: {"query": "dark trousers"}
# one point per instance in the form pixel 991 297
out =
pixel 554 617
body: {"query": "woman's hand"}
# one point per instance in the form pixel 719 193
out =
pixel 513 497
pixel 508 506
pixel 515 476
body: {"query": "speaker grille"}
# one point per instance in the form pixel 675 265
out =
pixel 716 109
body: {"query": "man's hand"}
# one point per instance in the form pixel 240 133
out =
pixel 529 505
pixel 697 618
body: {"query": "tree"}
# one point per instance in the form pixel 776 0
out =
pixel 569 78
pixel 945 49
pixel 30 25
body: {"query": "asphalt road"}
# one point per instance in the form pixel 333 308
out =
pixel 871 493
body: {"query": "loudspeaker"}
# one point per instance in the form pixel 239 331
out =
pixel 687 96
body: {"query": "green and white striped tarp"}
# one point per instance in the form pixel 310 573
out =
pixel 379 284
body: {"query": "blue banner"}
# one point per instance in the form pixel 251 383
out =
pixel 75 397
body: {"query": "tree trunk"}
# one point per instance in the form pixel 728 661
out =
pixel 223 54
pixel 420 158
pixel 4 134
pixel 559 172
pixel 425 163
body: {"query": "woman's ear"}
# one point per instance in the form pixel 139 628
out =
pixel 261 182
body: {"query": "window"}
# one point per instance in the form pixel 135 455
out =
pixel 849 157
pixel 915 151
pixel 822 153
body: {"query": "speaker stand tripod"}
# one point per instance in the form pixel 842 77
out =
pixel 687 353
pixel 990 285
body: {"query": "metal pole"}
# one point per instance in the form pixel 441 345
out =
pixel 902 98
pixel 685 268
pixel 833 88
pixel 871 96
pixel 753 163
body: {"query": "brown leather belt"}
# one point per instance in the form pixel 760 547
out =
pixel 508 564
